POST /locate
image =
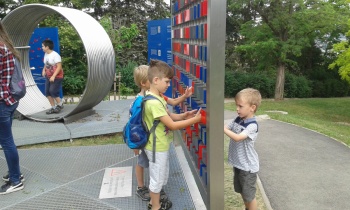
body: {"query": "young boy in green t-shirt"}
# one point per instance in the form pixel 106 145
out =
pixel 159 75
pixel 141 80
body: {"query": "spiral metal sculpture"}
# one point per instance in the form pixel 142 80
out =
pixel 20 24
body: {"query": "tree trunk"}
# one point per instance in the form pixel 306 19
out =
pixel 279 88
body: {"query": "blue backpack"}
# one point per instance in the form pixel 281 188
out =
pixel 136 132
pixel 17 85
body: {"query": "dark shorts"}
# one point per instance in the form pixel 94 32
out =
pixel 142 159
pixel 53 88
pixel 245 184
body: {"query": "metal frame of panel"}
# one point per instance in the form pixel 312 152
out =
pixel 209 92
pixel 20 24
pixel 215 108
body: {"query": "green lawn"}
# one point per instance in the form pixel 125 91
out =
pixel 88 141
pixel 330 116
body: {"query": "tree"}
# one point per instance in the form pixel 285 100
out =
pixel 122 39
pixel 343 59
pixel 279 30
pixel 8 5
pixel 127 12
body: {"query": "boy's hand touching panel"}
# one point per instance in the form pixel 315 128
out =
pixel 190 114
pixel 233 135
pixel 198 115
pixel 188 92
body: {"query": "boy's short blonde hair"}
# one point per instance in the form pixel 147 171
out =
pixel 159 69
pixel 251 96
pixel 140 75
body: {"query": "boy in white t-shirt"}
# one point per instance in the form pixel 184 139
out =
pixel 53 73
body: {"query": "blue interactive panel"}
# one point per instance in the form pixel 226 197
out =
pixel 36 54
pixel 159 43
pixel 189 47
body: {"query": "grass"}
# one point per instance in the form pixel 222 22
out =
pixel 233 200
pixel 89 141
pixel 329 116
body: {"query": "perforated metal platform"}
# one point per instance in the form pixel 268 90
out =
pixel 70 178
pixel 109 117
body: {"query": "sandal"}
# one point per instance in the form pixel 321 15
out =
pixel 50 111
pixel 164 205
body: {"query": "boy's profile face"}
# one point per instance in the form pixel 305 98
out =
pixel 45 48
pixel 162 84
pixel 244 109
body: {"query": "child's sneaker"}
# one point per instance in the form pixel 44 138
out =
pixel 57 109
pixel 8 187
pixel 143 193
pixel 50 111
pixel 6 178
pixel 60 106
pixel 163 196
pixel 164 205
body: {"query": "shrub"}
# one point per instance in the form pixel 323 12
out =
pixel 330 88
pixel 125 91
pixel 236 81
pixel 297 86
pixel 127 77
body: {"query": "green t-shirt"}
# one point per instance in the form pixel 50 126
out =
pixel 153 111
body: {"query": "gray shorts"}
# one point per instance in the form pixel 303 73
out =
pixel 142 159
pixel 245 184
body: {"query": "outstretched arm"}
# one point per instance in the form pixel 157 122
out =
pixel 172 125
pixel 234 136
pixel 176 101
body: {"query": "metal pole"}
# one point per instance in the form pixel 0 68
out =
pixel 115 86
pixel 215 106
pixel 119 78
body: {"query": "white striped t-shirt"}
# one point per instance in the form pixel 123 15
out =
pixel 242 154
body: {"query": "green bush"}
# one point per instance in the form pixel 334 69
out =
pixel 236 81
pixel 125 91
pixel 330 88
pixel 127 77
pixel 75 75
pixel 73 84
pixel 295 86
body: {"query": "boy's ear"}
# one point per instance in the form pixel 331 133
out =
pixel 155 80
pixel 253 108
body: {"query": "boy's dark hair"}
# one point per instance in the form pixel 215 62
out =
pixel 159 69
pixel 48 43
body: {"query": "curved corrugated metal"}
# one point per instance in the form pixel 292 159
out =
pixel 20 24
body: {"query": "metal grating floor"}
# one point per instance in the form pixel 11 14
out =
pixel 70 178
pixel 110 117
